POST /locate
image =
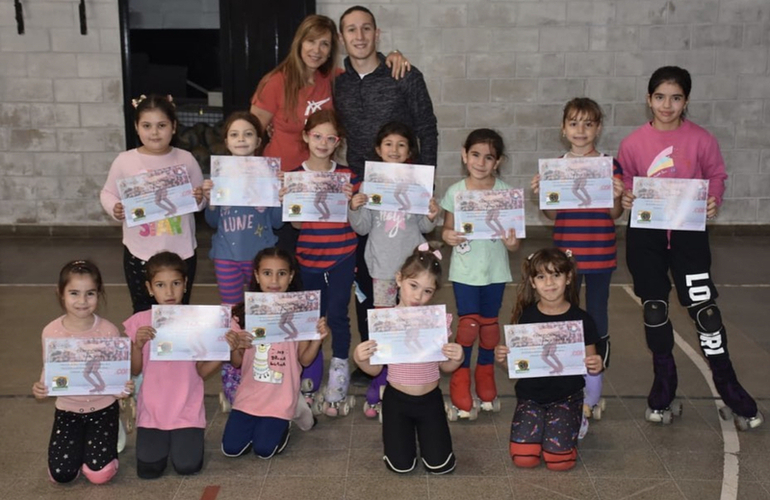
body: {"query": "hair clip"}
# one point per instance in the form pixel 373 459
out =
pixel 568 253
pixel 171 99
pixel 424 247
pixel 529 257
pixel 136 102
pixel 77 262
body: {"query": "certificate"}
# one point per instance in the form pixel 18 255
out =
pixel 157 195
pixel 398 187
pixel 545 349
pixel 190 333
pixel 283 317
pixel 569 183
pixel 489 214
pixel 245 181
pixel 408 334
pixel 670 203
pixel 315 197
pixel 87 366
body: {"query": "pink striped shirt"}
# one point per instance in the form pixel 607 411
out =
pixel 413 373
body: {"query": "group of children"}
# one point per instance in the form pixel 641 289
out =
pixel 262 382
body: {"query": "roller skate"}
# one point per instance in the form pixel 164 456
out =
pixel 595 411
pixel 486 389
pixel 336 401
pixel 121 436
pixel 739 402
pixel 311 382
pixel 662 407
pixel 373 404
pixel 461 404
pixel 583 427
pixel 303 415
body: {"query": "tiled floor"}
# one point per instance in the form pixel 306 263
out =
pixel 622 457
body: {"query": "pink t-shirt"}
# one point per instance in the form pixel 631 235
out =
pixel 100 329
pixel 688 152
pixel 175 234
pixel 171 395
pixel 286 142
pixel 270 376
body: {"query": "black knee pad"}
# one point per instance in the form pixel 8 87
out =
pixel 147 470
pixel 655 313
pixel 711 331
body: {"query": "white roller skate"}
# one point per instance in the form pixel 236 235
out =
pixel 312 399
pixel 485 389
pixel 742 423
pixel 665 416
pixel 336 401
pixel 596 411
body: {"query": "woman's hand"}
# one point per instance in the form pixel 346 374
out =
pixel 39 390
pixel 144 335
pixel 501 354
pixel 453 351
pixel 128 389
pixel 452 237
pixel 364 351
pixel 628 199
pixel 398 64
pixel 594 364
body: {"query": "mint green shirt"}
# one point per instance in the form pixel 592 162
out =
pixel 477 262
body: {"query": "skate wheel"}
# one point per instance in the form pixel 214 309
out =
pixel 474 413
pixel 452 414
pixel 667 417
pixel 382 391
pixel 597 412
pixel 317 408
pixel 343 409
pixel 369 410
pixel 351 401
pixel 725 413
pixel 329 410
pixel 602 404
pixel 741 423
pixel 379 415
pixel 306 385
pixel 676 408
pixel 496 406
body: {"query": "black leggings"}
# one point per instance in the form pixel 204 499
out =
pixel 136 279
pixel 403 416
pixel 82 438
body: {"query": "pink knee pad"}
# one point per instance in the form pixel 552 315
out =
pixel 101 476
pixel 526 455
pixel 560 461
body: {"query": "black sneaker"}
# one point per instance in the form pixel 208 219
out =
pixel 359 378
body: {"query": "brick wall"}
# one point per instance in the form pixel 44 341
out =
pixel 510 65
pixel 61 116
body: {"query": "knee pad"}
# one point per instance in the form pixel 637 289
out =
pixel 101 476
pixel 446 467
pixel 560 461
pixel 402 469
pixel 655 313
pixel 526 455
pixel 711 331
pixel 489 333
pixel 468 330
pixel 147 470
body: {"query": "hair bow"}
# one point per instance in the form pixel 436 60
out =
pixel 136 102
pixel 424 247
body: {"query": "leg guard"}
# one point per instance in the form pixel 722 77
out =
pixel 467 333
pixel 526 455
pixel 485 382
pixel 711 331
pixel 460 389
pixel 373 391
pixel 593 391
pixel 339 380
pixel 657 327
pixel 560 461
pixel 101 476
pixel 665 383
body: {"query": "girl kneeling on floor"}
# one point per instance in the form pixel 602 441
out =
pixel 412 402
pixel 549 410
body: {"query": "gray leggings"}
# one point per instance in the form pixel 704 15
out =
pixel 155 446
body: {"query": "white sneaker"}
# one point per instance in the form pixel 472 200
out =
pixel 583 427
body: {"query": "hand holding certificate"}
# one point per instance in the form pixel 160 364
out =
pixel 663 203
pixel 245 181
pixel 545 349
pixel 398 187
pixel 157 195
pixel 87 366
pixel 408 334
pixel 283 317
pixel 489 214
pixel 190 333
pixel 315 197
pixel 570 183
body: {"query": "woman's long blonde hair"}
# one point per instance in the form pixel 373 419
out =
pixel 293 68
